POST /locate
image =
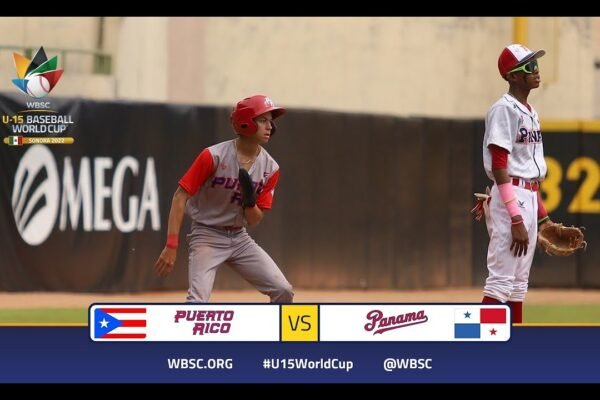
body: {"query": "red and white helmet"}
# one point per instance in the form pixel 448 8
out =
pixel 243 114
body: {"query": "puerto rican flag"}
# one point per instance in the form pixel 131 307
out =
pixel 125 322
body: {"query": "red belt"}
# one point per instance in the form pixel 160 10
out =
pixel 529 185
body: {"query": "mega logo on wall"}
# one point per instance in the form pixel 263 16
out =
pixel 87 196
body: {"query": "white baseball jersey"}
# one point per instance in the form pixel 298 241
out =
pixel 213 183
pixel 510 125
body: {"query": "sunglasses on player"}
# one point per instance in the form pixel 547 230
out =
pixel 529 68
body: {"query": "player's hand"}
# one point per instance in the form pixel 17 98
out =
pixel 248 193
pixel 520 239
pixel 166 262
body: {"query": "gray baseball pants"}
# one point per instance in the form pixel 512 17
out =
pixel 209 247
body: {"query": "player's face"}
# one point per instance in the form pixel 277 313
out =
pixel 529 74
pixel 264 122
pixel 533 80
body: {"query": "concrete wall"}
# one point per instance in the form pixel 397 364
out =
pixel 442 67
pixel 54 33
pixel 404 66
pixel 77 33
pixel 143 61
pixel 187 78
pixel 596 52
pixel 568 69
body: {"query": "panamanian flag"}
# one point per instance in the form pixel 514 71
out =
pixel 120 323
pixel 481 323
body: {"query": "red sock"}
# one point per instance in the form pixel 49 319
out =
pixel 490 300
pixel 516 309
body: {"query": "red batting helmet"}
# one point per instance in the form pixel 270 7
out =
pixel 243 114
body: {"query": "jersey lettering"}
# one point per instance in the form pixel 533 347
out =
pixel 529 136
pixel 218 200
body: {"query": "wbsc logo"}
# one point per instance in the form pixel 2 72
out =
pixel 36 77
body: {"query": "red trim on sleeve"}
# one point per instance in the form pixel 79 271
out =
pixel 264 201
pixel 202 168
pixel 541 209
pixel 499 157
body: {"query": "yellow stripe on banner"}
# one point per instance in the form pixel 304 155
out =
pixel 570 125
pixel 42 140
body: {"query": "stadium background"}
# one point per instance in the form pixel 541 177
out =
pixel 380 152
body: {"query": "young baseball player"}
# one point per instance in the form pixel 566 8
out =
pixel 513 156
pixel 229 186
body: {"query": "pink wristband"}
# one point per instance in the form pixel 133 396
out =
pixel 507 194
pixel 172 241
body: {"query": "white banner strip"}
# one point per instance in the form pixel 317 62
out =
pixel 184 322
pixel 414 323
pixel 261 323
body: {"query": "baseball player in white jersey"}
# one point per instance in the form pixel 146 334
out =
pixel 228 187
pixel 513 156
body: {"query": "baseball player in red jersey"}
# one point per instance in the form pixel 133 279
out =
pixel 228 187
pixel 513 156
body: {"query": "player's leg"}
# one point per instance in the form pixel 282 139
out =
pixel 258 268
pixel 501 262
pixel 208 249
pixel 528 201
pixel 521 282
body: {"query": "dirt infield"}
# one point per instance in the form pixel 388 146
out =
pixel 454 295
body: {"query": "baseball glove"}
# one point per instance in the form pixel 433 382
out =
pixel 248 193
pixel 559 240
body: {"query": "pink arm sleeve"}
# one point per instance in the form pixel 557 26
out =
pixel 507 194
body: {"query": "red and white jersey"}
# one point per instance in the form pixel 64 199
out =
pixel 213 183
pixel 512 126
